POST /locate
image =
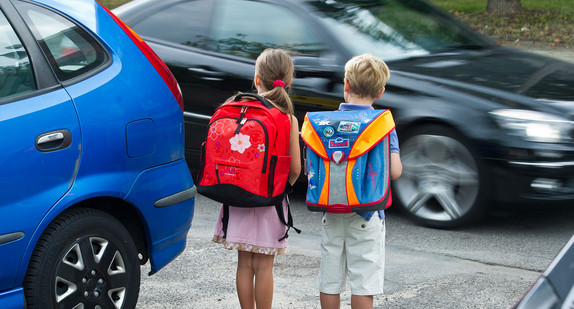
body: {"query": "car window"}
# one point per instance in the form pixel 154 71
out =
pixel 183 23
pixel 16 75
pixel 71 50
pixel 246 28
pixel 394 29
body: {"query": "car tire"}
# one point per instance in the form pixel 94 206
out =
pixel 85 259
pixel 442 183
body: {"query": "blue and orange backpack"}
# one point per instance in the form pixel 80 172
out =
pixel 347 160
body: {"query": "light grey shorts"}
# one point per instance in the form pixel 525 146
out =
pixel 351 244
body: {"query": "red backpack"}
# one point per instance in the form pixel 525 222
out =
pixel 245 158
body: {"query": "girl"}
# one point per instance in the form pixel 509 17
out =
pixel 254 232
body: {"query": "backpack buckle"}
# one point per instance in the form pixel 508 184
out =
pixel 338 156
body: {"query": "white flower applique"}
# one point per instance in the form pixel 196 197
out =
pixel 240 142
pixel 261 147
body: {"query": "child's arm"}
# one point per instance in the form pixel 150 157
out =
pixel 396 165
pixel 294 151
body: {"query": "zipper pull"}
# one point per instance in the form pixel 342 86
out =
pixel 241 121
pixel 242 114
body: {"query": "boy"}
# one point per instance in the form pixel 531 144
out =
pixel 355 242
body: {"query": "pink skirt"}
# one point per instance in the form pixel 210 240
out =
pixel 256 229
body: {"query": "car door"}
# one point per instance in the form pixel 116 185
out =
pixel 41 144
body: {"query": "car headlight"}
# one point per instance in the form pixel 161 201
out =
pixel 534 126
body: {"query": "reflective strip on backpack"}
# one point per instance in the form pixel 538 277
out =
pixel 324 197
pixel 337 179
pixel 312 139
pixel 371 135
pixel 351 194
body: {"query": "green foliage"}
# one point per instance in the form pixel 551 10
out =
pixel 548 22
pixel 466 6
pixel 112 4
pixel 472 6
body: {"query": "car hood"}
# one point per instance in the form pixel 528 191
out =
pixel 504 75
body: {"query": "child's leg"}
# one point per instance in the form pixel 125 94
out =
pixel 361 301
pixel 330 301
pixel 333 269
pixel 244 280
pixel 263 269
pixel 367 268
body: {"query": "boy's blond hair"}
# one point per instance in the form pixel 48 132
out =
pixel 367 75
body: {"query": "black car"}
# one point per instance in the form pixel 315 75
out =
pixel 477 123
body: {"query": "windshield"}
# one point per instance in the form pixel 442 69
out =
pixel 394 29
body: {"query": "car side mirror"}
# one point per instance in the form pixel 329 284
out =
pixel 314 67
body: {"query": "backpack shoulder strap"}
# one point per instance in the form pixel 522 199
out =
pixel 289 221
pixel 225 219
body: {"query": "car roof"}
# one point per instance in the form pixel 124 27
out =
pixel 83 11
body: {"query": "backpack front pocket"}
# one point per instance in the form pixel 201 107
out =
pixel 230 173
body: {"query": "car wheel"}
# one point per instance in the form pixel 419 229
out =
pixel 85 259
pixel 441 184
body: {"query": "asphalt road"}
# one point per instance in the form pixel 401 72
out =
pixel 488 265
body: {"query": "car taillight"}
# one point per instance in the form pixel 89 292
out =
pixel 159 65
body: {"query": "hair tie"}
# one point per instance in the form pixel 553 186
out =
pixel 279 83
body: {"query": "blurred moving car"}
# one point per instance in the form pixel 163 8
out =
pixel 555 288
pixel 94 180
pixel 477 123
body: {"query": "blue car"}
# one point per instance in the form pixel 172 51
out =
pixel 93 178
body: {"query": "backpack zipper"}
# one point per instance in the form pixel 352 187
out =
pixel 264 170
pixel 241 120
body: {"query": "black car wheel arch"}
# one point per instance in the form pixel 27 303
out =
pixel 84 257
pixel 442 184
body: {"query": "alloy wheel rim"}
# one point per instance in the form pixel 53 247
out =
pixel 440 180
pixel 92 272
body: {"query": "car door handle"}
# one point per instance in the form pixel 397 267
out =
pixel 207 74
pixel 54 140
